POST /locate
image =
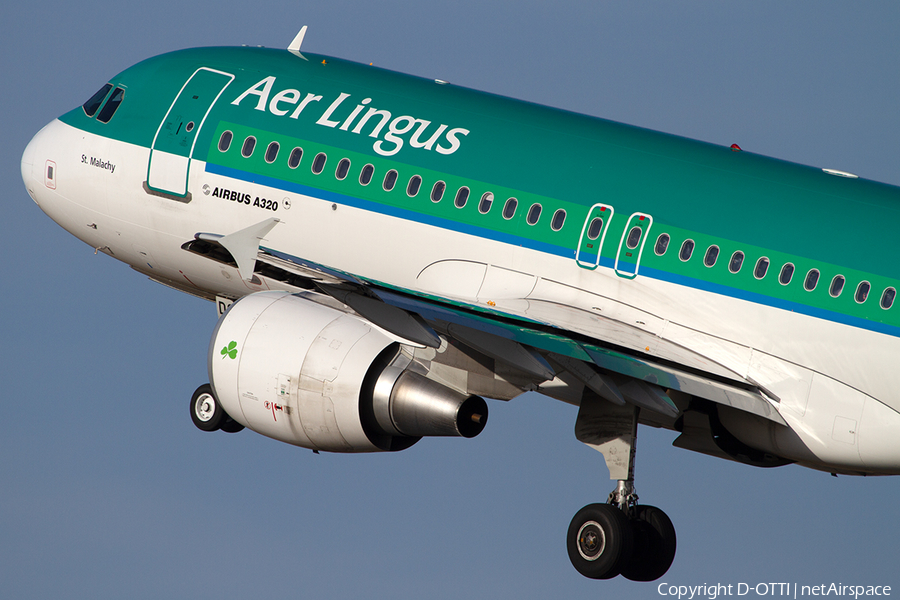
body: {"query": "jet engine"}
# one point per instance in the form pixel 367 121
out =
pixel 317 377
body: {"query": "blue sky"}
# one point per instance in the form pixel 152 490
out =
pixel 108 491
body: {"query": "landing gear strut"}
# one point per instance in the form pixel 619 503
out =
pixel 621 536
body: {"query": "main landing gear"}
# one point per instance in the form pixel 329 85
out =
pixel 620 537
pixel 208 415
pixel 638 543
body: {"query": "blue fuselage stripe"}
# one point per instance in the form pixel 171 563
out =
pixel 394 211
pixel 516 240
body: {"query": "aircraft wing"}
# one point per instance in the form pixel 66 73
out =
pixel 537 349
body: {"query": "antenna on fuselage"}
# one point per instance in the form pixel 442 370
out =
pixel 294 48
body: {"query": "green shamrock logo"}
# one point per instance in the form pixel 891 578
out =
pixel 230 350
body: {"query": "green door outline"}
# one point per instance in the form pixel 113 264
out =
pixel 631 245
pixel 173 144
pixel 590 243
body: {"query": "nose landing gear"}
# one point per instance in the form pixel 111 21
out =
pixel 208 415
pixel 620 537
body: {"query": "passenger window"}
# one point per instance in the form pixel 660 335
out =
pixel 272 152
pixel 736 262
pixel 812 280
pixel 342 169
pixel 687 249
pixel 462 196
pixel 634 236
pixel 509 209
pixel 437 192
pixel 662 244
pixel 862 292
pixel 111 106
pixel 887 298
pixel 412 188
pixel 595 228
pixel 94 102
pixel 225 141
pixel 248 147
pixel 319 163
pixel 390 178
pixel 294 159
pixel 558 220
pixel 787 272
pixel 534 214
pixel 486 201
pixel 762 267
pixel 837 286
pixel 365 176
pixel 712 254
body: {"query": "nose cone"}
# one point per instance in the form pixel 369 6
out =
pixel 39 163
pixel 28 166
pixel 37 157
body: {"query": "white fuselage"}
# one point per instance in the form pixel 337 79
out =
pixel 830 382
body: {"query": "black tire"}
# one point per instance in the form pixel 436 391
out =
pixel 654 544
pixel 206 412
pixel 599 541
pixel 231 426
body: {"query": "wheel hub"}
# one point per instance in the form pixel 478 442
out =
pixel 206 407
pixel 591 541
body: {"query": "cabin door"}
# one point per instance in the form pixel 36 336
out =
pixel 593 232
pixel 631 246
pixel 173 145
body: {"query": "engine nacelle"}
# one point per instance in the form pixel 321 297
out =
pixel 317 377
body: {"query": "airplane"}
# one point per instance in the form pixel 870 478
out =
pixel 386 251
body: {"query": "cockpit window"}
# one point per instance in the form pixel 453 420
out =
pixel 109 109
pixel 91 106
